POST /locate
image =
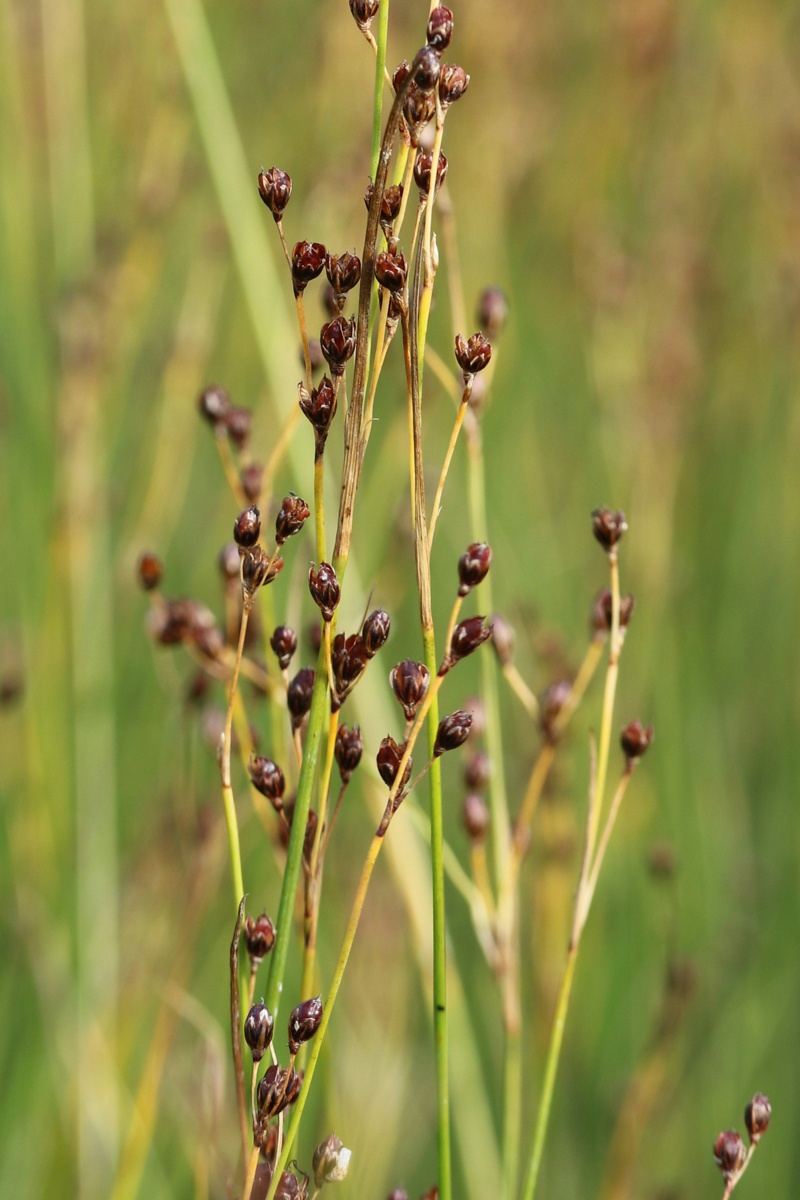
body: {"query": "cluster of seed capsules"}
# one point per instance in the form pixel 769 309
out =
pixel 730 1153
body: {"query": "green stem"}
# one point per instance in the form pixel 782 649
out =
pixel 294 855
pixel 551 1071
pixel 380 66
pixel 439 941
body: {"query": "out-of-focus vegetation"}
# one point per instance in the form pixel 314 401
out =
pixel 629 173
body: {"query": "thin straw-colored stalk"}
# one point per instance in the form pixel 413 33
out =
pixel 225 766
pixel 423 573
pixel 294 854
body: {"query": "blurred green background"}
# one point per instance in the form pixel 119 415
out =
pixel 629 174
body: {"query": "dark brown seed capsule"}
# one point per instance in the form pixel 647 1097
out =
pixel 12 687
pixel 238 425
pixel 284 644
pixel 308 261
pixel 343 271
pixel 661 860
pixel 258 570
pixel 399 76
pixel 375 632
pixel 251 478
pixel 324 588
pixel 551 705
pixel 228 561
pixel 364 12
pixel 602 612
pixel 473 566
pixel 478 771
pixel 388 759
pixel 757 1116
pixel 258 1028
pixel 304 1022
pixel 636 740
pixel 453 731
pixel 275 189
pixel 259 937
pixel 492 311
pixel 467 636
pixel 288 1188
pixel 214 403
pixel 473 354
pixel 390 204
pixel 475 817
pixel 338 342
pixel 348 662
pixel 475 706
pixel 419 108
pixel 314 635
pixel 453 82
pixel 391 270
pixel 729 1153
pixel 298 694
pixel 331 1161
pixel 409 681
pixel 608 527
pixel 267 778
pixel 503 640
pixel 348 749
pixel 422 171
pixel 247 528
pixel 427 66
pixel 440 28
pixel 319 407
pixel 150 569
pixel 293 514
pixel 277 1089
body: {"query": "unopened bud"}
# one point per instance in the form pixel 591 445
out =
pixel 247 528
pixel 440 28
pixel 473 566
pixel 284 644
pixel 375 632
pixel 299 693
pixel 475 817
pixel 388 759
pixel 729 1153
pixel 304 1022
pixel 348 749
pixel 258 1028
pixel 636 740
pixel 267 778
pixel 453 731
pixel 467 636
pixel 409 681
pixel 259 937
pixel 757 1116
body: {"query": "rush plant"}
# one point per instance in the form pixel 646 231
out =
pixel 300 761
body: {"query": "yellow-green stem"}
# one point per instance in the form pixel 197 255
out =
pixel 608 701
pixel 551 1071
